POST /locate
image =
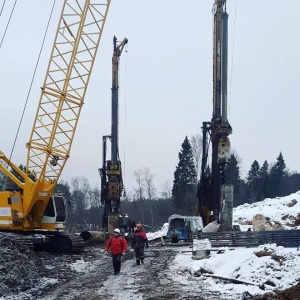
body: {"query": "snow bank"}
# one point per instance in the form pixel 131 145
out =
pixel 284 210
pixel 278 270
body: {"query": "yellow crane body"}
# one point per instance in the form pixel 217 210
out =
pixel 32 206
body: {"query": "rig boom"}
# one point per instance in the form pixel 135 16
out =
pixel 214 193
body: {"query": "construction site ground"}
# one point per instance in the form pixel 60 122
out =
pixel 27 275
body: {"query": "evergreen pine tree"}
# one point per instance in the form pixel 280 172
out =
pixel 185 179
pixel 232 176
pixel 264 174
pixel 254 181
pixel 277 172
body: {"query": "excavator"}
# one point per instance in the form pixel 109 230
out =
pixel 31 210
pixel 214 192
pixel 111 170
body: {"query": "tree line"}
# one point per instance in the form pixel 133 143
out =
pixel 142 204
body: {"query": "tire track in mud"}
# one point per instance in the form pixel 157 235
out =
pixel 151 281
pixel 84 284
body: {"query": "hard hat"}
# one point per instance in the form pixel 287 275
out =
pixel 138 226
pixel 117 230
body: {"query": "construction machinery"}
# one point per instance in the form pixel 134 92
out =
pixel 215 194
pixel 111 171
pixel 31 209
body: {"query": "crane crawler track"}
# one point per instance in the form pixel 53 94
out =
pixel 53 242
pixel 60 242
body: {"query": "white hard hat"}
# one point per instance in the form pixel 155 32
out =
pixel 117 230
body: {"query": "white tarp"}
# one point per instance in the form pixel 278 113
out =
pixel 195 222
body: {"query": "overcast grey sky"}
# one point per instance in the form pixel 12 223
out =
pixel 165 82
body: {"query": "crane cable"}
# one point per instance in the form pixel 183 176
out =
pixel 125 120
pixel 8 20
pixel 28 94
pixel 2 7
pixel 232 56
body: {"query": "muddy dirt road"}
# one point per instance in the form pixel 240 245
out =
pixel 29 275
pixel 89 276
pixel 150 281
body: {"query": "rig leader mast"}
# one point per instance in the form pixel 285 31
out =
pixel 111 171
pixel 215 195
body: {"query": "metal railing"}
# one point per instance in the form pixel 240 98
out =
pixel 285 238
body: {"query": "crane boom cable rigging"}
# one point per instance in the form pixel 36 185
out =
pixel 70 65
pixel 61 101
pixel 30 87
pixel 4 34
pixel 3 7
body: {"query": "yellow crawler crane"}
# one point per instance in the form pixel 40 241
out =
pixel 32 208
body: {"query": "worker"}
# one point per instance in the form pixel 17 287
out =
pixel 139 241
pixel 132 224
pixel 118 246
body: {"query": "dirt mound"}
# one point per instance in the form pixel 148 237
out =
pixel 292 293
pixel 20 268
pixel 26 273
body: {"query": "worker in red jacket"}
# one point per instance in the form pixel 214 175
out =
pixel 139 241
pixel 118 246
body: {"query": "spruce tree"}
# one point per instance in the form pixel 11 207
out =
pixel 185 179
pixel 254 181
pixel 232 176
pixel 264 174
pixel 277 172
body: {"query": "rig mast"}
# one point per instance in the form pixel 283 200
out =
pixel 215 195
pixel 111 171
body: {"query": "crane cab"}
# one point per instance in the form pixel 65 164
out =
pixel 54 217
pixel 12 217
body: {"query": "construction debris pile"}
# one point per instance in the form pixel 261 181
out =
pixel 19 270
pixel 24 271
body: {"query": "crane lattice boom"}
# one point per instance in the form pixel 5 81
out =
pixel 62 97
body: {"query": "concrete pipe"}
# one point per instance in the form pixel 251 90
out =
pixel 93 237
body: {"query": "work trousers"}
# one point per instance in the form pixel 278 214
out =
pixel 139 254
pixel 117 262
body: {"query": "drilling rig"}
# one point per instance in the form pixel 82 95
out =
pixel 111 171
pixel 215 195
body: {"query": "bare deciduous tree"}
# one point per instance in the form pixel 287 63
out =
pixel 148 183
pixel 166 190
pixel 196 144
pixel 145 185
pixel 139 189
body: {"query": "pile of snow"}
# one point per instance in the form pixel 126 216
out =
pixel 279 270
pixel 284 211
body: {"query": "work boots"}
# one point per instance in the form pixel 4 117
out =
pixel 142 260
pixel 138 262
